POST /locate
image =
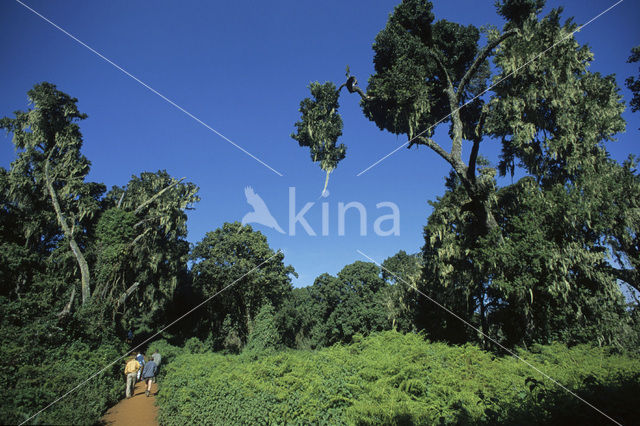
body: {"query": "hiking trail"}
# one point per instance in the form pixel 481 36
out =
pixel 139 410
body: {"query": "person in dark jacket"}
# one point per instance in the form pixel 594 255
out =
pixel 157 358
pixel 148 374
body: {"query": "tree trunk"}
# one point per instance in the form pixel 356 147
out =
pixel 67 308
pixel 82 262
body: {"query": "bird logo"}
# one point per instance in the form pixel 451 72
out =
pixel 260 214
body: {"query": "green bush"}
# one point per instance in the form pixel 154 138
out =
pixel 34 385
pixel 264 336
pixel 390 378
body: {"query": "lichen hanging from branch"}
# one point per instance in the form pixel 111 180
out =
pixel 320 127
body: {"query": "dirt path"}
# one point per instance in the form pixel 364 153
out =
pixel 139 410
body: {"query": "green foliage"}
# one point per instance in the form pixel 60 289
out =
pixel 402 271
pixel 43 359
pixel 297 318
pixel 141 238
pixel 194 346
pixel 552 115
pixel 114 232
pixel 633 83
pixel 546 281
pixel 127 250
pixel 518 11
pixel 531 262
pixel 226 256
pixel 408 92
pixel 334 309
pixel 264 335
pixel 321 126
pixel 390 378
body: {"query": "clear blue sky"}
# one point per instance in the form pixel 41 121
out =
pixel 243 67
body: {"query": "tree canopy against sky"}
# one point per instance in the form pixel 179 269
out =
pixel 247 83
pixel 552 117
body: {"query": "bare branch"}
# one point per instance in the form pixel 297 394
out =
pixel 120 200
pixel 482 56
pixel 421 140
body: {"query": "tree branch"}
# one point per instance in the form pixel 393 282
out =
pixel 127 293
pixel 152 199
pixel 482 56
pixel 456 143
pixel 352 86
pixel 148 219
pixel 120 200
pixel 421 140
pixel 67 308
pixel 471 169
pixel 629 276
pixel 477 137
pixel 136 239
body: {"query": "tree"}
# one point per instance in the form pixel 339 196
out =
pixel 348 304
pixel 547 281
pixel 48 141
pixel 552 117
pixel 297 318
pixel 223 260
pixel 402 273
pixel 125 245
pixel 140 248
pixel 424 73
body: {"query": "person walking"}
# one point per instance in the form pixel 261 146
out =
pixel 157 358
pixel 140 359
pixel 149 374
pixel 131 370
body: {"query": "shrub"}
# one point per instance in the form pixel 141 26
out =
pixel 194 346
pixel 35 385
pixel 390 378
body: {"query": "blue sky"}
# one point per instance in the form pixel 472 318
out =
pixel 242 68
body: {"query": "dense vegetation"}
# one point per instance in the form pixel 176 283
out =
pixel 391 378
pixel 536 266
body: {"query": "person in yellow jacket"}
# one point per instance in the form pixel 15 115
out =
pixel 131 371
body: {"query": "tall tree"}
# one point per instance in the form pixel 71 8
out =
pixel 548 280
pixel 49 160
pixel 226 256
pixel 402 272
pixel 552 117
pixel 140 247
pixel 352 302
